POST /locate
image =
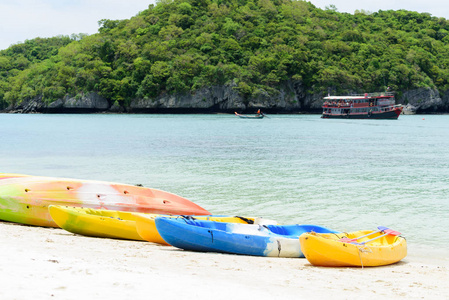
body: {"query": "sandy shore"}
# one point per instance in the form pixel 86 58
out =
pixel 47 263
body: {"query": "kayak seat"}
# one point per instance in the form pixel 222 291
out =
pixel 207 224
pixel 279 229
pixel 296 230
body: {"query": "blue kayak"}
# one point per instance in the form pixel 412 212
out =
pixel 246 239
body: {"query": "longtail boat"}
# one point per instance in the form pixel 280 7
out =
pixel 257 116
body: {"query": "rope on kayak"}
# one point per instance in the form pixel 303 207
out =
pixel 360 257
pixel 325 234
pixel 364 249
pixel 185 217
pixel 345 234
pixel 211 235
pixel 279 248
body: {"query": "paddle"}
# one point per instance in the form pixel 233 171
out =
pixel 386 230
pixel 348 240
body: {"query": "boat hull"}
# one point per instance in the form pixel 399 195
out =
pixel 244 239
pixel 26 199
pixel 96 222
pixel 249 117
pixel 393 115
pixel 326 250
pixel 146 224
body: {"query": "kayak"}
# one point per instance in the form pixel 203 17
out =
pixel 146 224
pixel 95 222
pixel 11 175
pixel 118 224
pixel 365 248
pixel 25 199
pixel 246 239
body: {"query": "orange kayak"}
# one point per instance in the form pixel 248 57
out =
pixel 25 199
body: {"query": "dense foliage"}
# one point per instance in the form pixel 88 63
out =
pixel 182 45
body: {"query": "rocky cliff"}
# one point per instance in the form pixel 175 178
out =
pixel 424 100
pixel 85 103
pixel 291 98
pixel 225 99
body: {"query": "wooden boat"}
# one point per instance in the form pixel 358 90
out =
pixel 367 106
pixel 257 116
pixel 96 222
pixel 26 199
pixel 146 224
pixel 364 248
pixel 246 239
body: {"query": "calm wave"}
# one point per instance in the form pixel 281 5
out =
pixel 343 174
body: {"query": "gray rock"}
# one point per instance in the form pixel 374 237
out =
pixel 287 99
pixel 116 108
pixel 409 109
pixel 290 97
pixel 313 102
pixel 90 101
pixel 424 100
pixel 28 106
pixel 56 104
pixel 215 98
pixel 445 99
pixel 225 98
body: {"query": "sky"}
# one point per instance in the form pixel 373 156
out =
pixel 437 8
pixel 22 20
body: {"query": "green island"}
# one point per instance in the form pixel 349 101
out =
pixel 231 55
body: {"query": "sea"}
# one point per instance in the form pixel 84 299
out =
pixel 347 175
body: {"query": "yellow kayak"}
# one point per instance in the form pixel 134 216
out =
pixel 365 248
pixel 95 222
pixel 121 224
pixel 146 225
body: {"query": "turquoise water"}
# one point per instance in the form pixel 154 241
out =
pixel 343 174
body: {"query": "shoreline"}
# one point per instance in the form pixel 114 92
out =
pixel 51 263
pixel 314 112
pixel 12 112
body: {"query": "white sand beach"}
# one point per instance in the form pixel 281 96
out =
pixel 47 263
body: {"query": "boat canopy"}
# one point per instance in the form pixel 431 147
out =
pixel 364 96
pixel 342 97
